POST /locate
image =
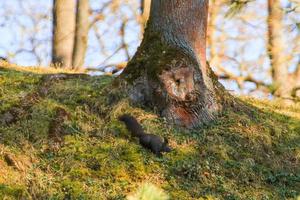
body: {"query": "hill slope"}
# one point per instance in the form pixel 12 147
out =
pixel 60 139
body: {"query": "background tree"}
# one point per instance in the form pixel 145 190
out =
pixel 26 31
pixel 214 10
pixel 169 70
pixel 81 33
pixel 145 10
pixel 237 47
pixel 279 65
pixel 284 83
pixel 63 32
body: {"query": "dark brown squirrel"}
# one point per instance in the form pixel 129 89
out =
pixel 149 141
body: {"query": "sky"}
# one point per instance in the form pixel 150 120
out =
pixel 22 34
pixel 19 31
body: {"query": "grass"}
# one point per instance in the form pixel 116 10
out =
pixel 239 156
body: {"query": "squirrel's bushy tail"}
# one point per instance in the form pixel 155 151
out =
pixel 132 125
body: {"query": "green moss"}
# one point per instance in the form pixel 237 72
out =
pixel 159 57
pixel 11 192
pixel 239 156
pixel 14 86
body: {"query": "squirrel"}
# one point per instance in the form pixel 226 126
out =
pixel 150 141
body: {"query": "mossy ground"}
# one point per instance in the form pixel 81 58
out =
pixel 240 156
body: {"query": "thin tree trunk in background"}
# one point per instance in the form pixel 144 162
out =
pixel 279 70
pixel 296 89
pixel 81 33
pixel 63 32
pixel 145 10
pixel 212 24
pixel 169 72
pixel 297 72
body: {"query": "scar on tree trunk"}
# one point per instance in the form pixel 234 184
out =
pixel 169 72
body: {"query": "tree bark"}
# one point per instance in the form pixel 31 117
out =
pixel 81 33
pixel 145 10
pixel 169 72
pixel 286 85
pixel 279 69
pixel 212 24
pixel 63 32
pixel 296 89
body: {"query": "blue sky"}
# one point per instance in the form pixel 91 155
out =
pixel 19 32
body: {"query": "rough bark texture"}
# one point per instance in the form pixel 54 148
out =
pixel 169 71
pixel 81 33
pixel 63 32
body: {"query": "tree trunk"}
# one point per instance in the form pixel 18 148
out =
pixel 214 10
pixel 169 71
pixel 63 32
pixel 279 70
pixel 145 10
pixel 296 89
pixel 81 33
